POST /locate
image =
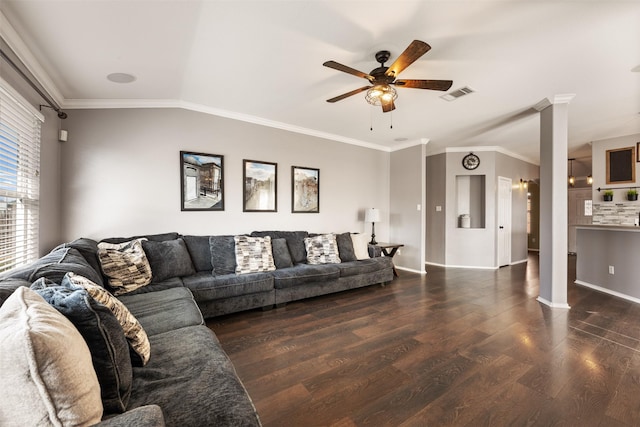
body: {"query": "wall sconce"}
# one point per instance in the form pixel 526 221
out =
pixel 572 179
pixel 589 179
pixel 523 184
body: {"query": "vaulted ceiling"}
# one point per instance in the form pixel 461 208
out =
pixel 261 61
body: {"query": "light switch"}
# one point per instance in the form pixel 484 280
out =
pixel 419 207
pixel 438 208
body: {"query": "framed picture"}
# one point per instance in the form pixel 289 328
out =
pixel 260 186
pixel 305 190
pixel 621 165
pixel 201 181
pixel 637 152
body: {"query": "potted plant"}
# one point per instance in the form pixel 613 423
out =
pixel 632 194
pixel 607 195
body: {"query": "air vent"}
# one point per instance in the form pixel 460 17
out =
pixel 452 96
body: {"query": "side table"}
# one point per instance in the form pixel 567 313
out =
pixel 390 249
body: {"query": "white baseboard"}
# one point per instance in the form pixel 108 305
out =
pixel 477 267
pixel 412 270
pixel 607 291
pixel 552 304
pixel 519 262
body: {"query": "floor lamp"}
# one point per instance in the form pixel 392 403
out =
pixel 372 215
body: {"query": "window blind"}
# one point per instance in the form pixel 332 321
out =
pixel 19 179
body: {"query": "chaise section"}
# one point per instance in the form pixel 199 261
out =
pixel 186 365
pixel 164 310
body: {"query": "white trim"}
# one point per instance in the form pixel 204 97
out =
pixel 409 144
pixel 176 103
pixel 518 262
pixel 476 267
pixel 552 304
pixel 607 291
pixel 480 148
pixel 15 42
pixel 411 270
pixel 562 98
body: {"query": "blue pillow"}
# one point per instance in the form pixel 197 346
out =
pixel 104 337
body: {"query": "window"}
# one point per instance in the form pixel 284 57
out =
pixel 19 179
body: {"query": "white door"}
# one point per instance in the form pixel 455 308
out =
pixel 504 221
pixel 579 212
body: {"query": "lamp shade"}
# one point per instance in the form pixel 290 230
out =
pixel 372 215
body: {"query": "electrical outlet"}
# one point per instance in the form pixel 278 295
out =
pixel 611 270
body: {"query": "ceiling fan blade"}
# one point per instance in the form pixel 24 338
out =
pixel 337 66
pixel 425 84
pixel 414 51
pixel 348 94
pixel 388 106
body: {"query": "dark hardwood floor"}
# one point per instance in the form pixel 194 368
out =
pixel 455 347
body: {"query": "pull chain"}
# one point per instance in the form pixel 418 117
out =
pixel 371 118
pixel 391 119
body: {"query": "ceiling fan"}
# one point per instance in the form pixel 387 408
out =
pixel 382 79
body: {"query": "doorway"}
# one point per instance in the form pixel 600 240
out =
pixel 579 206
pixel 504 221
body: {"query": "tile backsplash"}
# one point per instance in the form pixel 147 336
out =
pixel 615 213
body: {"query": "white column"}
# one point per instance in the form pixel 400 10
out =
pixel 553 200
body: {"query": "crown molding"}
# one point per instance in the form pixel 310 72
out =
pixel 191 106
pixel 15 42
pixel 409 144
pixel 563 98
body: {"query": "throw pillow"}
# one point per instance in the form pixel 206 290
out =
pixel 47 375
pixel 136 336
pixel 281 255
pixel 253 254
pixel 345 247
pixel 360 245
pixel 104 336
pixel 125 264
pixel 168 259
pixel 322 249
pixel 223 254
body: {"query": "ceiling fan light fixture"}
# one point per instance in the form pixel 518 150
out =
pixel 380 94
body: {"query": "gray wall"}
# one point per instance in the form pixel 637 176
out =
pixel 121 175
pixel 406 193
pixel 435 240
pixel 516 169
pixel 447 243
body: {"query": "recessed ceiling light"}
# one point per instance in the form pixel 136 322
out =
pixel 401 139
pixel 121 78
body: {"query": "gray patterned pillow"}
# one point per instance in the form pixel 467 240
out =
pixel 253 254
pixel 125 264
pixel 133 331
pixel 322 249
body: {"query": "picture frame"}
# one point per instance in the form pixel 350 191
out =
pixel 260 186
pixel 305 190
pixel 621 165
pixel 637 152
pixel 201 181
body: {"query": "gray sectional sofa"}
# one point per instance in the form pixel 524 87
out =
pixel 189 380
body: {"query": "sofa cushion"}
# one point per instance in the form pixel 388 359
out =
pixel 55 265
pixel 345 247
pixel 364 266
pixel 47 376
pixel 134 332
pixel 206 287
pixel 281 255
pixel 165 310
pixel 88 248
pixel 207 392
pixel 104 336
pixel 223 254
pixel 295 241
pixel 360 245
pixel 168 259
pixel 253 254
pixel 174 282
pixel 322 249
pixel 161 237
pixel 125 264
pixel 200 252
pixel 304 273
